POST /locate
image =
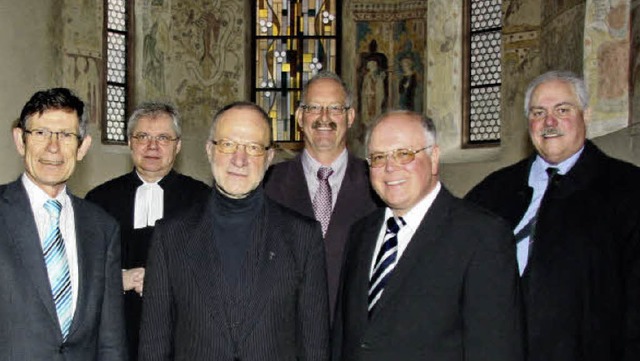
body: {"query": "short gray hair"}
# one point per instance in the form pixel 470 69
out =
pixel 154 109
pixel 577 83
pixel 328 75
pixel 426 122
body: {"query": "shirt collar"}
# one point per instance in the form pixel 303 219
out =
pixel 37 197
pixel 417 213
pixel 539 166
pixel 311 166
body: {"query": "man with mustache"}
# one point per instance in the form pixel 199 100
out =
pixel 325 114
pixel 576 220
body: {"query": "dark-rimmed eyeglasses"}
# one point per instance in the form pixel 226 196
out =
pixel 228 146
pixel 319 109
pixel 45 135
pixel 400 156
pixel 162 139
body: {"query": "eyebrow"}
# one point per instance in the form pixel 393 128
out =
pixel 555 106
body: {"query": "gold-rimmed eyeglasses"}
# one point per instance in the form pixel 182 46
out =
pixel 228 146
pixel 45 135
pixel 400 156
pixel 319 109
pixel 162 139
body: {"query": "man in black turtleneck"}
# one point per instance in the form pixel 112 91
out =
pixel 239 277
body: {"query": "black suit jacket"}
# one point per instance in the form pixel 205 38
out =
pixel 30 329
pixel 582 281
pixel 285 182
pixel 278 311
pixel 453 294
pixel 118 196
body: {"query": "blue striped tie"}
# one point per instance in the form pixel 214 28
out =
pixel 55 256
pixel 385 261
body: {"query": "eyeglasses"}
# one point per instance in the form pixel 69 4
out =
pixel 45 135
pixel 400 156
pixel 162 139
pixel 227 146
pixel 561 111
pixel 319 109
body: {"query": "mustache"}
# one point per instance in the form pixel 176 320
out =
pixel 318 124
pixel 551 132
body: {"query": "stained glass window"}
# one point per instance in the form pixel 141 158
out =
pixel 292 41
pixel 116 90
pixel 483 72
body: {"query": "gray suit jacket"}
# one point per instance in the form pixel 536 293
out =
pixel 30 328
pixel 277 311
pixel 453 296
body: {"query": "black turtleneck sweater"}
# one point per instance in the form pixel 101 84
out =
pixel 233 224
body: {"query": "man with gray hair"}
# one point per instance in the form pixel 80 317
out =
pixel 152 191
pixel 429 277
pixel 325 181
pixel 575 215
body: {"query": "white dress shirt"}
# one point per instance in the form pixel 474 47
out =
pixel 37 199
pixel 413 218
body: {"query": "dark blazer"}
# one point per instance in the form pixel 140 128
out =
pixel 285 182
pixel 452 296
pixel 277 311
pixel 30 329
pixel 582 281
pixel 117 196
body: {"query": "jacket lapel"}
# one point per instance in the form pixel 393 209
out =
pixel 23 232
pixel 430 229
pixel 204 259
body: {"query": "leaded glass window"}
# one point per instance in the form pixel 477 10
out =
pixel 483 77
pixel 292 41
pixel 117 43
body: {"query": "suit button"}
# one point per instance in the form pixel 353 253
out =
pixel 62 349
pixel 365 345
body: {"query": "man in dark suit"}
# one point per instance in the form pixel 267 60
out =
pixel 578 234
pixel 152 191
pixel 430 277
pixel 325 115
pixel 60 280
pixel 240 277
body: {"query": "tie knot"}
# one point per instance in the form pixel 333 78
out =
pixel 324 173
pixel 394 226
pixel 551 171
pixel 53 207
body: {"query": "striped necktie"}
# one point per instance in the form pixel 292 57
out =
pixel 385 262
pixel 55 256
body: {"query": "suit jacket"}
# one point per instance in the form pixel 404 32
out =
pixel 453 294
pixel 118 196
pixel 278 310
pixel 285 182
pixel 582 281
pixel 30 329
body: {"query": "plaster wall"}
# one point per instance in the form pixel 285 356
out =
pixel 29 62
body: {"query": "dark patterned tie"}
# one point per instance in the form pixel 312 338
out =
pixel 385 262
pixel 529 229
pixel 322 200
pixel 55 256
